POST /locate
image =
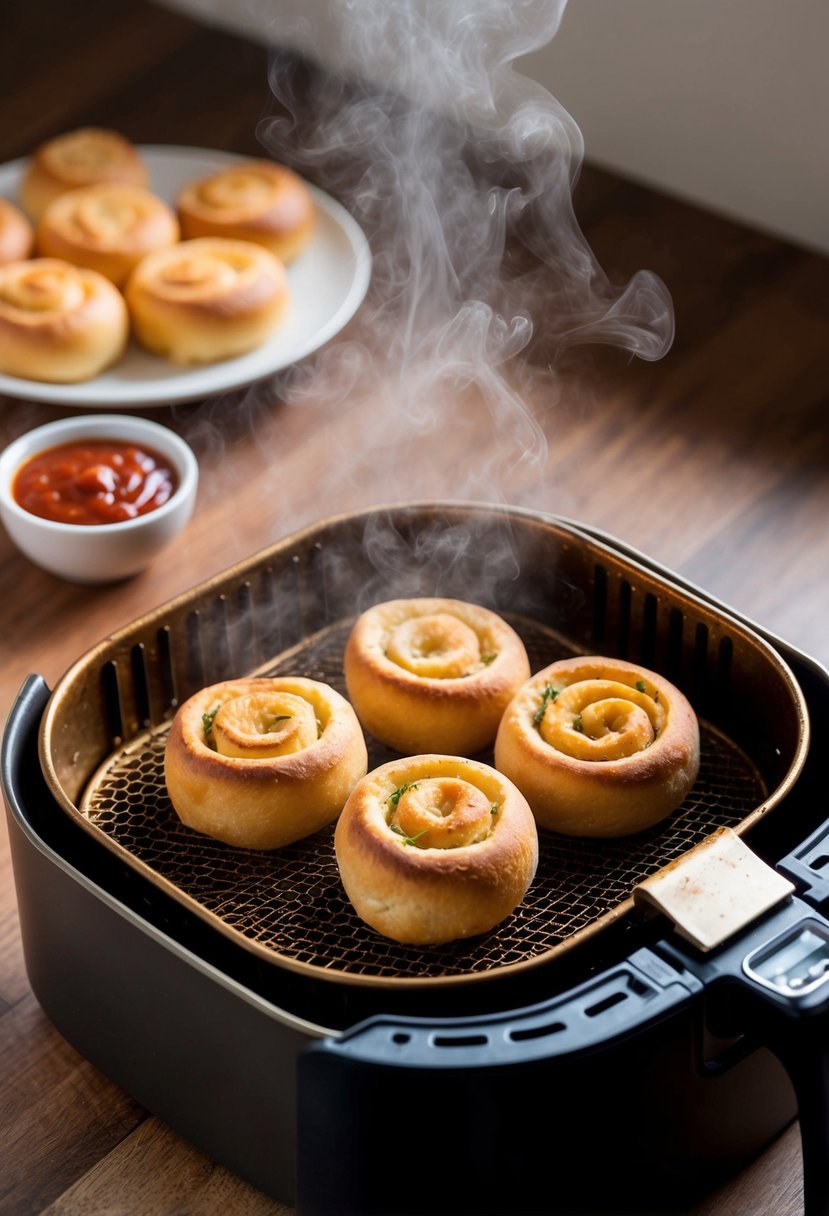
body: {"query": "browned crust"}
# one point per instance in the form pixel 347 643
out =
pixel 60 344
pixel 145 224
pixel 216 322
pixel 55 167
pixel 16 234
pixel 416 714
pixel 263 803
pixel 433 895
pixel 281 220
pixel 608 798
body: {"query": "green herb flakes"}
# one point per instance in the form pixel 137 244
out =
pixel 395 796
pixel 411 840
pixel 547 697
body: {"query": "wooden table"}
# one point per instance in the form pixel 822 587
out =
pixel 713 460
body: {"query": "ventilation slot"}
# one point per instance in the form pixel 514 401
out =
pixel 219 647
pixel 195 659
pixel 615 998
pixel 245 629
pixel 724 663
pixel 165 667
pixel 700 654
pixel 536 1032
pixel 673 660
pixel 112 702
pixel 460 1040
pixel 267 616
pixel 279 618
pixel 649 630
pixel 625 601
pixel 140 684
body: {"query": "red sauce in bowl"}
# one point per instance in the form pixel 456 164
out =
pixel 94 481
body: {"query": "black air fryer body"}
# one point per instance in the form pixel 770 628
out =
pixel 630 1075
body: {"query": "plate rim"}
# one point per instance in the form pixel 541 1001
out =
pixel 162 394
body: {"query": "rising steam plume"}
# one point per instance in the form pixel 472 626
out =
pixel 434 86
pixel 461 172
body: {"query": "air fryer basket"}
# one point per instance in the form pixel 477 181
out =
pixel 635 1009
pixel 289 611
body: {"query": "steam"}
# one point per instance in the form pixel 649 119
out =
pixel 434 81
pixel 461 173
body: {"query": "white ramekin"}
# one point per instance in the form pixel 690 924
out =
pixel 98 553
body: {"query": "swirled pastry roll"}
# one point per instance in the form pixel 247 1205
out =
pixel 251 201
pixel 435 848
pixel 433 675
pixel 205 300
pixel 78 158
pixel 17 236
pixel 600 747
pixel 260 763
pixel 59 323
pixel 108 227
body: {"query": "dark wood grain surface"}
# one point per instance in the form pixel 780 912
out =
pixel 713 460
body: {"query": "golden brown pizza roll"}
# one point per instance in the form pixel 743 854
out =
pixel 78 158
pixel 435 848
pixel 205 300
pixel 599 746
pixel 17 236
pixel 260 762
pixel 433 675
pixel 251 201
pixel 108 227
pixel 59 323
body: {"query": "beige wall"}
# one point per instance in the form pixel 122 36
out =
pixel 723 102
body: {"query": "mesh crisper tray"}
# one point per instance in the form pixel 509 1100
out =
pixel 288 611
pixel 290 902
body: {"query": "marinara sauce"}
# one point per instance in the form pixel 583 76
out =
pixel 94 481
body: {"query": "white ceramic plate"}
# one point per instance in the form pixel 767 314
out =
pixel 328 282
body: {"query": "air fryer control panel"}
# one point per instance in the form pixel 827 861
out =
pixel 794 963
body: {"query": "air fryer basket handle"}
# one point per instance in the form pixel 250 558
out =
pixel 802 1046
pixel 806 1059
pixel 771 985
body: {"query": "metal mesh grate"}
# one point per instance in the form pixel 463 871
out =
pixel 289 904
